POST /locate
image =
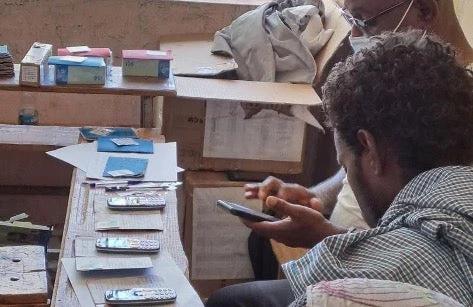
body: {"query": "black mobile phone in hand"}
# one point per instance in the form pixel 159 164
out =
pixel 246 212
pixel 140 296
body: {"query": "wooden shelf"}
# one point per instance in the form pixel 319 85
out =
pixel 116 84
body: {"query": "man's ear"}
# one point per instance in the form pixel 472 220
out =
pixel 428 9
pixel 372 151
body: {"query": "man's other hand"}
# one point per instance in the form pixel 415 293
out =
pixel 272 186
pixel 303 226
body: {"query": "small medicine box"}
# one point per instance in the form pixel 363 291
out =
pixel 33 67
pixel 104 53
pixel 78 70
pixel 146 63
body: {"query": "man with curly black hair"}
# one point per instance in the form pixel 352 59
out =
pixel 333 196
pixel 401 113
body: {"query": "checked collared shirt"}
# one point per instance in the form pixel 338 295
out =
pixel 425 238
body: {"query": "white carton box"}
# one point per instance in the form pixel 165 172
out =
pixel 33 67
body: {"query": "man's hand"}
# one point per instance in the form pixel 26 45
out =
pixel 303 227
pixel 291 192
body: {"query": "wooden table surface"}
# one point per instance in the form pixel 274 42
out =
pixel 80 222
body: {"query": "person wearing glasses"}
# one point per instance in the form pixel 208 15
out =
pixel 334 197
pixel 401 114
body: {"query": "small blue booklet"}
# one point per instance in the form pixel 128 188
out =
pixel 93 133
pixel 111 144
pixel 125 167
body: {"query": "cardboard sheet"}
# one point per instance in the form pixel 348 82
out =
pixel 219 239
pixel 106 219
pixel 108 263
pixel 199 62
pixel 164 273
pixel 162 164
pixel 266 136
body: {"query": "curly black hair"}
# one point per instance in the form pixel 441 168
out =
pixel 411 94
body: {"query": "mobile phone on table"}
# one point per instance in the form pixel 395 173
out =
pixel 136 202
pixel 246 212
pixel 127 245
pixel 140 296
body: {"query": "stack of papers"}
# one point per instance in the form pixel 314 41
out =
pixel 161 164
pixel 6 62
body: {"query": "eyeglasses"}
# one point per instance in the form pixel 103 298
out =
pixel 363 24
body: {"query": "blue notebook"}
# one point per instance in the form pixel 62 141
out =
pixel 93 133
pixel 125 167
pixel 106 144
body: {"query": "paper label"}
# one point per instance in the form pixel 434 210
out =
pixel 121 173
pixel 124 141
pixel 75 49
pixel 73 59
pixel 101 131
pixel 267 135
pixel 156 53
pixel 29 73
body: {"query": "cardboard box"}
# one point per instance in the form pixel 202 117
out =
pixel 188 122
pixel 238 143
pixel 91 70
pixel 215 241
pixel 146 63
pixel 33 67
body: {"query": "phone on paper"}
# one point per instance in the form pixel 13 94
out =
pixel 140 296
pixel 127 245
pixel 245 212
pixel 136 203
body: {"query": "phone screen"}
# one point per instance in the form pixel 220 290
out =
pixel 123 201
pixel 245 212
pixel 121 295
pixel 112 242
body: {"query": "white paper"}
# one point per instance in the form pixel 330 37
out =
pixel 162 164
pixel 112 263
pixel 303 113
pixel 219 239
pixel 128 221
pixel 74 49
pixel 77 155
pixel 155 52
pixel 265 136
pixel 73 59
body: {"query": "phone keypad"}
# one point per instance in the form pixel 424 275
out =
pixel 160 294
pixel 152 201
pixel 143 244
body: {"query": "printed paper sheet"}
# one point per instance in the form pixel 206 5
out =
pixel 219 239
pixel 267 135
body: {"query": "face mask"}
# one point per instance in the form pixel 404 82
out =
pixel 360 42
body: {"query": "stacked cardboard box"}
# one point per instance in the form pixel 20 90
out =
pixel 206 121
pixel 214 240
